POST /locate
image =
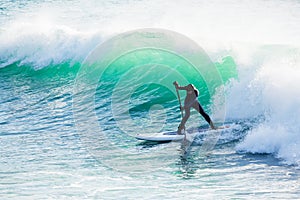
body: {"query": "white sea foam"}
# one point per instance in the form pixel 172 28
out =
pixel 52 32
pixel 273 91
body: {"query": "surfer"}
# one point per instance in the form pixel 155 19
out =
pixel 191 101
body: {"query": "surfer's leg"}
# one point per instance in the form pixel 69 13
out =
pixel 199 108
pixel 184 119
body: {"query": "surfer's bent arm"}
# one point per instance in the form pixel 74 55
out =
pixel 183 87
pixel 187 87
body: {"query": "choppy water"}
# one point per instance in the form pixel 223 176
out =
pixel 50 148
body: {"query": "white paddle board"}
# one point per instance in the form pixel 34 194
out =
pixel 173 136
pixel 161 137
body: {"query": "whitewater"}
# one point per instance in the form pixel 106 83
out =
pixel 56 144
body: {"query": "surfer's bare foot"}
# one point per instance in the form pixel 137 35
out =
pixel 179 130
pixel 212 126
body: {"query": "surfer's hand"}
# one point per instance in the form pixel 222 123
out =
pixel 175 83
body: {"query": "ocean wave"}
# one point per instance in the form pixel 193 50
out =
pixel 270 89
pixel 242 34
pixel 40 48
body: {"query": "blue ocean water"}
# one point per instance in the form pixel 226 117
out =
pixel 50 149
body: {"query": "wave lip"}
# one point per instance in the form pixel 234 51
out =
pixel 40 45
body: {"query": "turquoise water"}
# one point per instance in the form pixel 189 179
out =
pixel 50 149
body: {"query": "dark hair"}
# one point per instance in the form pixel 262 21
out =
pixel 196 92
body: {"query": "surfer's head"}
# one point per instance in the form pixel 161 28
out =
pixel 195 89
